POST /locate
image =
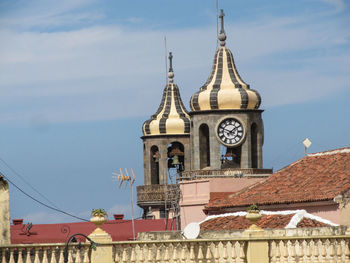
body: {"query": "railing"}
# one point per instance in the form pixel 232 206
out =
pixel 230 172
pixel 328 249
pixel 181 251
pixel 321 249
pixel 45 253
pixel 156 192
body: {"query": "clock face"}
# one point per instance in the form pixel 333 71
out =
pixel 230 132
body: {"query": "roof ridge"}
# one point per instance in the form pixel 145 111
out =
pixel 330 152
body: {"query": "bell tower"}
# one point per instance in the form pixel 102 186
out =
pixel 166 146
pixel 227 131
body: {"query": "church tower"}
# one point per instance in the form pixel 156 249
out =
pixel 227 130
pixel 166 146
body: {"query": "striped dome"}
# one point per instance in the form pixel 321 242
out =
pixel 171 116
pixel 224 89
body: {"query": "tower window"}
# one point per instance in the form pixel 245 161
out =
pixel 204 147
pixel 154 165
pixel 254 145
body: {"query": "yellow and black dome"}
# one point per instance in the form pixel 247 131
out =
pixel 171 116
pixel 224 89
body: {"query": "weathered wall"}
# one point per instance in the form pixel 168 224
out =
pixel 4 213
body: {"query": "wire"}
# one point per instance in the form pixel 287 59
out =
pixel 17 174
pixel 38 201
pixel 56 209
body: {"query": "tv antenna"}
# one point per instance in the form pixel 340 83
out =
pixel 129 180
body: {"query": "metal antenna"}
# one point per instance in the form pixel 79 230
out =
pixel 129 180
pixel 217 24
pixel 166 61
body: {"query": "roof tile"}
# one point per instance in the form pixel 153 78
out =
pixel 316 177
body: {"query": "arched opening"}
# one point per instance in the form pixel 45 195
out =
pixel 176 160
pixel 154 165
pixel 204 147
pixel 254 145
pixel 230 157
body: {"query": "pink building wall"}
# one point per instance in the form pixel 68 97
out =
pixel 196 194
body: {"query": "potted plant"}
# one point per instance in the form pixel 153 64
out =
pixel 253 213
pixel 98 216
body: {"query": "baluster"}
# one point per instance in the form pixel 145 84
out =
pixel 12 259
pixel 241 252
pixel 183 253
pixel 175 257
pixel 301 251
pixel 3 252
pixel 166 253
pixel 208 255
pixel 70 255
pixel 316 252
pixel 86 255
pixel 192 252
pixel 285 251
pixel 233 252
pixel 45 259
pixel 331 252
pixel 116 256
pixel 347 252
pixel 61 259
pixel 150 254
pixel 323 252
pixel 158 255
pixel 53 255
pixel 272 249
pixel 20 256
pixel 141 256
pixel 293 243
pixel 124 255
pixel 200 255
pixel 78 256
pixel 225 255
pixel 28 258
pixel 308 251
pixel 339 251
pixel 36 257
pixel 133 256
pixel 278 252
pixel 216 252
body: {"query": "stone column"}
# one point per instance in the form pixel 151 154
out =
pixel 103 253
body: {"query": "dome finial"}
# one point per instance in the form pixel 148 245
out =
pixel 222 35
pixel 171 72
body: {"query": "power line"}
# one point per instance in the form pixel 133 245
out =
pixel 38 201
pixel 53 208
pixel 17 174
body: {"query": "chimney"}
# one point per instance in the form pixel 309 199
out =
pixel 17 221
pixel 118 216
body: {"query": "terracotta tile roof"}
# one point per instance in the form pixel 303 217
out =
pixel 316 177
pixel 59 233
pixel 272 220
pixel 219 195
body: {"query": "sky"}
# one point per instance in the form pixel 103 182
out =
pixel 78 79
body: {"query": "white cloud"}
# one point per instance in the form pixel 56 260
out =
pixel 108 72
pixel 339 5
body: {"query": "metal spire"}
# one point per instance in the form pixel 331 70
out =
pixel 171 72
pixel 222 35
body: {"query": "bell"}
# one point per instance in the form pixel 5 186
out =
pixel 176 160
pixel 156 157
pixel 230 153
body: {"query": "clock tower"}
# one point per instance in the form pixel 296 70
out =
pixel 227 130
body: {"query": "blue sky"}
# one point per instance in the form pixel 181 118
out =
pixel 78 78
